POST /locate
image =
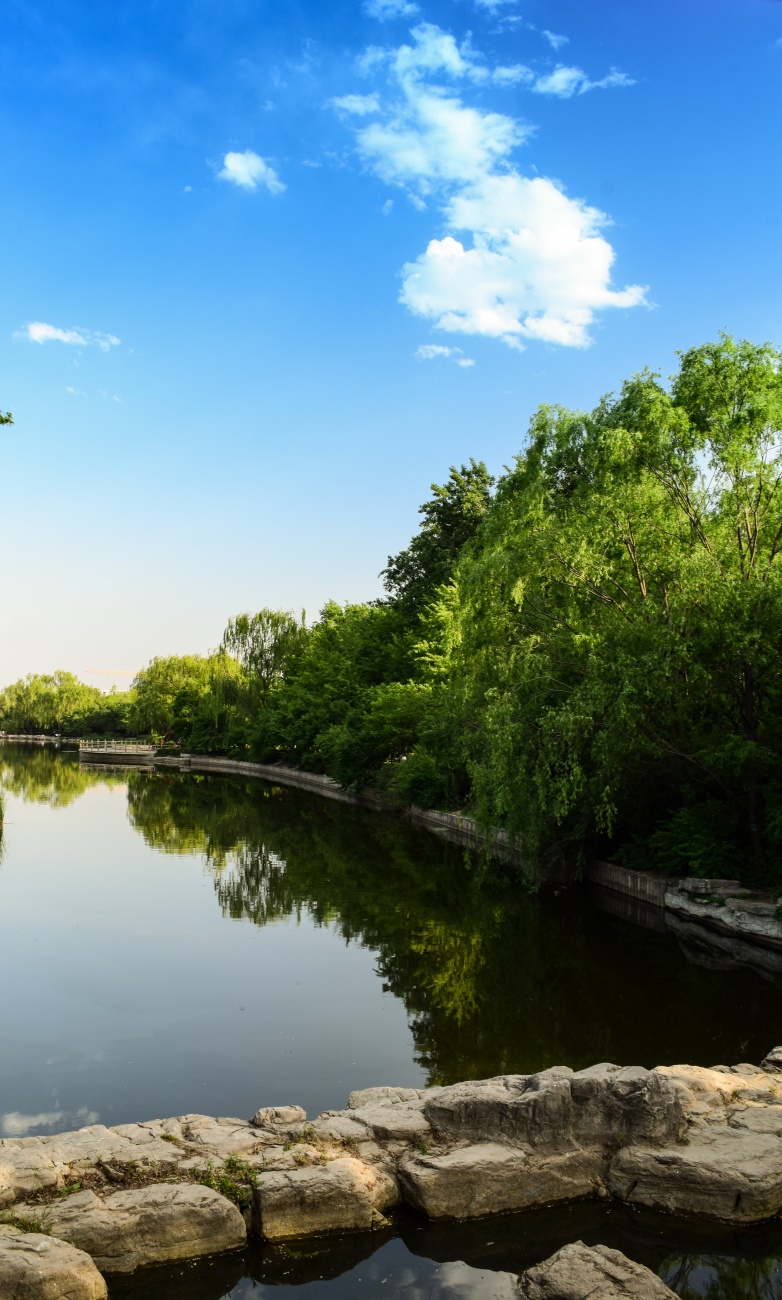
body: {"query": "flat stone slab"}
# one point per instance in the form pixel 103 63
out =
pixel 344 1195
pixel 487 1178
pixel 148 1225
pixel 579 1272
pixel 35 1266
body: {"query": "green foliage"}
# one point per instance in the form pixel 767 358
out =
pixel 60 703
pixel 618 627
pixel 450 519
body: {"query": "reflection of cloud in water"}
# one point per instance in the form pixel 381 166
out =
pixel 458 1279
pixel 13 1124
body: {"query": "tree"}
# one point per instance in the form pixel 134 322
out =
pixel 450 519
pixel 618 629
pixel 265 644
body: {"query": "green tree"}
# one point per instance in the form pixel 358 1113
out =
pixel 266 644
pixel 450 519
pixel 616 641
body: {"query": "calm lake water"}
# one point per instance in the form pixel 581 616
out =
pixel 175 943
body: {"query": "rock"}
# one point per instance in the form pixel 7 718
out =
pixel 772 1063
pixel 383 1096
pixel 487 1178
pixel 344 1195
pixel 341 1126
pixel 555 1108
pixel 727 1173
pixel 223 1137
pixel 578 1272
pixel 278 1117
pixel 717 888
pixel 35 1266
pixel 394 1123
pixel 148 1225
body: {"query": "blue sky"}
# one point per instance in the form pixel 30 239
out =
pixel 268 269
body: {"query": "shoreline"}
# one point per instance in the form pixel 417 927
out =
pixel 690 1141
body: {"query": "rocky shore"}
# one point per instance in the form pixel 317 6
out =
pixel 685 1139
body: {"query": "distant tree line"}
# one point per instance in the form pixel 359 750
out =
pixel 587 652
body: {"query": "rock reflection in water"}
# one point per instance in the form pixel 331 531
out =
pixel 479 1260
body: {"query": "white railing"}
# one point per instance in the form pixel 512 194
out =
pixel 118 746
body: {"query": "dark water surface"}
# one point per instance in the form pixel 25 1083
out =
pixel 176 943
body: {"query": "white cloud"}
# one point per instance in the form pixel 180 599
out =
pixel 14 1125
pixel 249 171
pixel 387 207
pixel 509 76
pixel 555 41
pixel 493 5
pixel 437 352
pixel 566 82
pixel 360 105
pixel 518 259
pixel 39 332
pixel 76 392
pixel 388 9
pixel 538 268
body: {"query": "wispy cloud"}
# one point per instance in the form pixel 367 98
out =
pixel 250 172
pixel 76 392
pixel 386 10
pixel 436 351
pixel 519 259
pixel 555 41
pixel 39 332
pixel 565 82
pixel 360 105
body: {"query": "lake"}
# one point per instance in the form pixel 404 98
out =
pixel 175 943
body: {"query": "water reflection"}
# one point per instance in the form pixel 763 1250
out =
pixel 480 1260
pixel 43 774
pixel 494 979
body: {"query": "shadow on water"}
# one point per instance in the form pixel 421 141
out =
pixel 481 1259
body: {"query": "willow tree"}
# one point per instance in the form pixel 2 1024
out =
pixel 618 629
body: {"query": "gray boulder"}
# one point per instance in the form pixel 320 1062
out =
pixel 35 1266
pixel 729 1173
pixel 579 1272
pixel 148 1225
pixel 488 1178
pixel 557 1107
pixel 344 1195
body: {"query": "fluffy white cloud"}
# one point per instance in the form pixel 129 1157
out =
pixel 387 9
pixel 565 82
pixel 436 351
pixel 518 258
pixel 538 268
pixel 249 171
pixel 39 332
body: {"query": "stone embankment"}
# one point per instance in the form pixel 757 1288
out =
pixel 685 1139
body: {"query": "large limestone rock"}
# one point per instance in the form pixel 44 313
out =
pixel 148 1225
pixel 722 1174
pixel 487 1178
pixel 35 1266
pixel 344 1195
pixel 557 1107
pixel 37 1164
pixel 579 1272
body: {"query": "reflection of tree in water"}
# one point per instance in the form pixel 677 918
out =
pixel 46 775
pixel 494 980
pixel 714 1277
